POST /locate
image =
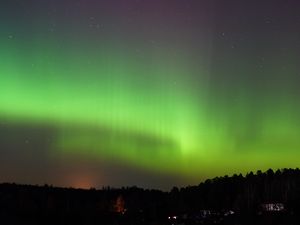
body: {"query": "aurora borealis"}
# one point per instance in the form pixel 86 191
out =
pixel 148 93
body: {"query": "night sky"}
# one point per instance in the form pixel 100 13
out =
pixel 153 93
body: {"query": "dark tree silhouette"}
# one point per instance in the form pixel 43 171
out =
pixel 246 196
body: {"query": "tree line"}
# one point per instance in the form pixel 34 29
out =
pixel 242 194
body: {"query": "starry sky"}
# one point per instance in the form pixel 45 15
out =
pixel 156 93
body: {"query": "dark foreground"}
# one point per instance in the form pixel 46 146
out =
pixel 261 198
pixel 274 219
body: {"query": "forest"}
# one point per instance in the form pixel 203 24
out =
pixel 222 200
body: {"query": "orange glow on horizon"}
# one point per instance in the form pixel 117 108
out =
pixel 83 181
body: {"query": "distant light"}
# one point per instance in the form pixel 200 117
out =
pixel 230 212
pixel 273 207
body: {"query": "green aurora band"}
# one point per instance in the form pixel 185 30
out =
pixel 106 109
pixel 152 107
